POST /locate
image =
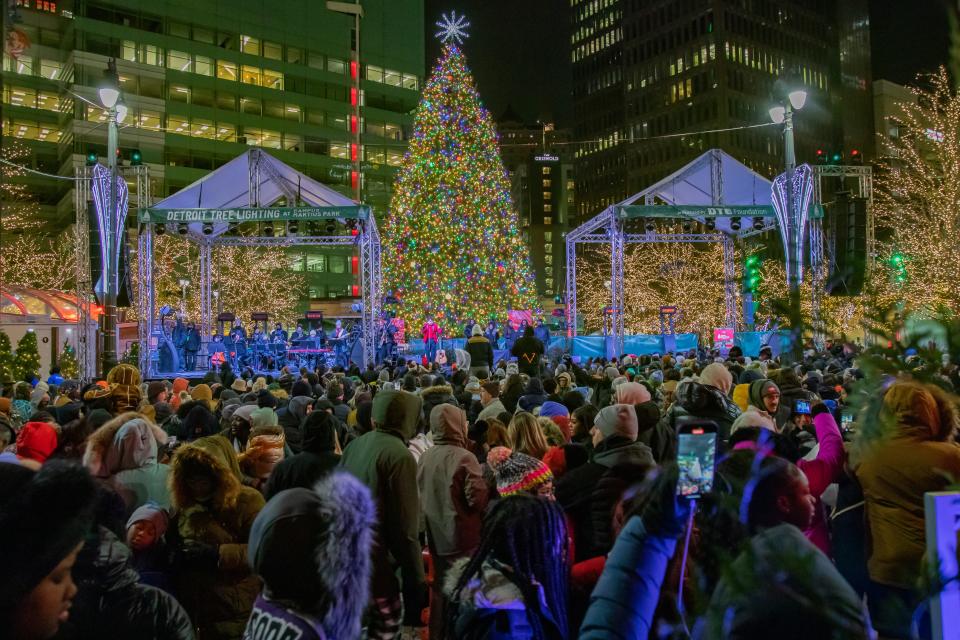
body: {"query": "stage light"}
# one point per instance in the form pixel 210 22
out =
pixel 268 229
pixel 292 227
pixel 207 228
pixel 159 229
pixel 649 226
pixel 735 223
pixel 687 226
pixel 182 229
pixel 757 223
pixel 711 224
pixel 331 227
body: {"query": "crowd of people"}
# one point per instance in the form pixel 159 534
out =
pixel 536 500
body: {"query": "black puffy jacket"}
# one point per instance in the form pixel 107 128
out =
pixel 695 400
pixel 111 603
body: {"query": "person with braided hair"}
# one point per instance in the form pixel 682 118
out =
pixel 515 584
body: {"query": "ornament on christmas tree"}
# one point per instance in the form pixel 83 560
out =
pixel 452 225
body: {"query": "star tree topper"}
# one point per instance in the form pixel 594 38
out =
pixel 453 28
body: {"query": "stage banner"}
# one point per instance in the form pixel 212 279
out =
pixel 698 211
pixel 751 342
pixel 249 214
pixel 723 339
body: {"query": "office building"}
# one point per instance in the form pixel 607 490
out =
pixel 203 81
pixel 656 83
pixel 540 164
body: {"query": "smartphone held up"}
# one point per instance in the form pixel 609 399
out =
pixel 696 457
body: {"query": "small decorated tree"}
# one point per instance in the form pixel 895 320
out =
pixel 6 358
pixel 26 362
pixel 67 361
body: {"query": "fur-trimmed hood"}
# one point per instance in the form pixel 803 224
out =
pixel 129 441
pixel 312 550
pixel 435 395
pixel 214 454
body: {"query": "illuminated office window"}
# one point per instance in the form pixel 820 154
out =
pixel 226 70
pixel 203 66
pixel 249 44
pixel 178 61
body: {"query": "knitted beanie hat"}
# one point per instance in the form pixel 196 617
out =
pixel 617 420
pixel 516 472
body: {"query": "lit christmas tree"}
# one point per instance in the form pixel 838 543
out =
pixel 6 358
pixel 67 361
pixel 26 361
pixel 452 244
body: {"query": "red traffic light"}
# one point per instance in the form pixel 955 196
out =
pixel 819 153
pixel 854 153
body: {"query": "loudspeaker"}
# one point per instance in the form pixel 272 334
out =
pixel 93 251
pixel 848 220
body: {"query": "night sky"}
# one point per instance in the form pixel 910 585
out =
pixel 518 49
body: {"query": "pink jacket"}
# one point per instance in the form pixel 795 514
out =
pixel 821 472
pixel 431 331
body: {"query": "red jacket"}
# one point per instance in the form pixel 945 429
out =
pixel 36 441
pixel 431 331
pixel 821 472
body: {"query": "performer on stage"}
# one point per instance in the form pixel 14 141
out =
pixel 179 337
pixel 468 328
pixel 492 334
pixel 278 335
pixel 339 339
pixel 388 340
pixel 238 332
pixel 298 333
pixel 542 332
pixel 191 345
pixel 431 336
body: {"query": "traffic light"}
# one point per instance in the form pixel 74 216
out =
pixel 136 159
pixel 751 274
pixel 91 158
pixel 558 299
pixel 821 156
pixel 836 158
pixel 898 265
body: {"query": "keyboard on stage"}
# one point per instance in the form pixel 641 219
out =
pixel 306 351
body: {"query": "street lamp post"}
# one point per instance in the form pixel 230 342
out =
pixel 109 93
pixel 782 113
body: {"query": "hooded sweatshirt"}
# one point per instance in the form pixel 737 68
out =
pixel 36 441
pixel 316 460
pixel 756 414
pixel 452 490
pixel 381 461
pixel 291 419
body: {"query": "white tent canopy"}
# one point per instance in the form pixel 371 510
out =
pixel 713 178
pixel 253 179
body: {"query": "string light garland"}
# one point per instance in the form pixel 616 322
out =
pixel 453 248
pixel 917 199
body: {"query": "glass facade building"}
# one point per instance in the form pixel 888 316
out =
pixel 204 80
pixel 657 82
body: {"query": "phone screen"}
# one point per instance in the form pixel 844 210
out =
pixel 801 407
pixel 846 421
pixel 696 457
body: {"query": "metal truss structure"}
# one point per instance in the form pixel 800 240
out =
pixel 82 199
pixel 367 242
pixel 608 228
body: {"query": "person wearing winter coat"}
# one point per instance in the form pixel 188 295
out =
pixel 36 441
pixel 319 456
pixel 916 454
pixel 146 530
pixel 528 351
pixel 381 461
pixel 765 593
pixel 822 471
pixel 490 401
pixel 589 493
pixel 453 496
pixel 44 518
pixel 111 601
pixel 704 402
pixel 533 396
pixel 791 391
pixel 215 515
pixel 764 398
pixel 291 418
pixel 481 353
pixel 265 450
pixel 311 548
pixel 514 586
pixel 123 455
